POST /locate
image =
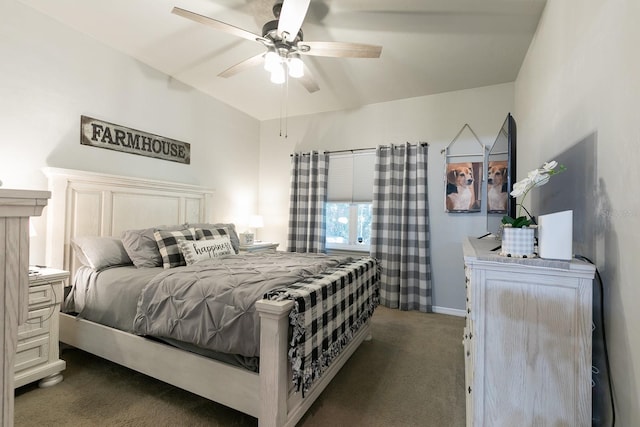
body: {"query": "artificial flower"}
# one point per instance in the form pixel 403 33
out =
pixel 535 178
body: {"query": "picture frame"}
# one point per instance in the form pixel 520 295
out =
pixel 497 186
pixel 463 183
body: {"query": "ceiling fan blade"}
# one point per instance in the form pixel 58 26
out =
pixel 308 81
pixel 241 66
pixel 340 49
pixel 218 25
pixel 291 17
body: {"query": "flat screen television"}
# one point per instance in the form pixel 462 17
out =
pixel 501 175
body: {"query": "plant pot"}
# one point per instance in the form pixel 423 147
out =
pixel 518 242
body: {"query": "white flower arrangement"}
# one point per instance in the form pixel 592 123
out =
pixel 535 178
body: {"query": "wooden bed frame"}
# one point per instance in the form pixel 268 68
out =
pixel 84 203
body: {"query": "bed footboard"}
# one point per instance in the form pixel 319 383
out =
pixel 274 383
pixel 279 407
pixel 329 314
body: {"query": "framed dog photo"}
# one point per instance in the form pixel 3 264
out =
pixel 463 187
pixel 497 186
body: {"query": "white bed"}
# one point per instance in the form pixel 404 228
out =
pixel 105 205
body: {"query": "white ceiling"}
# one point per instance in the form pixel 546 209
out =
pixel 429 46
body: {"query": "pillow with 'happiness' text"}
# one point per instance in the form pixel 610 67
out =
pixel 198 250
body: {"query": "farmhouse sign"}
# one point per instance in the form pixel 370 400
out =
pixel 98 133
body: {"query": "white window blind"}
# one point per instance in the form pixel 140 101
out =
pixel 351 177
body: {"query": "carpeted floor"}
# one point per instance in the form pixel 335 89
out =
pixel 410 374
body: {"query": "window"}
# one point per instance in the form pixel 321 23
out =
pixel 348 225
pixel 349 196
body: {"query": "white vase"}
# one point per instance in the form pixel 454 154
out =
pixel 518 242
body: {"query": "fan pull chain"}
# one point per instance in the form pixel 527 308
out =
pixel 281 96
pixel 284 106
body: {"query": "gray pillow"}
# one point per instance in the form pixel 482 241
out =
pixel 233 235
pixel 100 252
pixel 141 245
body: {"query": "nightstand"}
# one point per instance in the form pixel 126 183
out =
pixel 37 355
pixel 259 247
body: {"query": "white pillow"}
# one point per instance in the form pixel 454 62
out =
pixel 199 250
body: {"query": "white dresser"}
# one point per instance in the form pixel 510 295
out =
pixel 16 206
pixel 527 339
pixel 37 355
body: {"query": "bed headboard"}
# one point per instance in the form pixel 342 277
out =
pixel 94 204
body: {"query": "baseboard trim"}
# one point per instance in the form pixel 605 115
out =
pixel 447 310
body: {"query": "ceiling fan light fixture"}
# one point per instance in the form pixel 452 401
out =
pixel 296 66
pixel 277 74
pixel 282 59
pixel 272 61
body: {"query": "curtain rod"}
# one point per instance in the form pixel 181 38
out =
pixel 353 150
pixel 349 151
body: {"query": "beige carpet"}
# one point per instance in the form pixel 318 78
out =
pixel 410 374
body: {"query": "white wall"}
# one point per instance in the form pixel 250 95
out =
pixel 50 75
pixel 581 80
pixel 434 119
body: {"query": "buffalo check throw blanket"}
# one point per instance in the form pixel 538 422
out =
pixel 329 308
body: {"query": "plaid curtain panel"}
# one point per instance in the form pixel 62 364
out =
pixel 400 227
pixel 309 177
pixel 329 308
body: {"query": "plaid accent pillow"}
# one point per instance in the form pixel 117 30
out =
pixel 168 245
pixel 231 230
pixel 200 250
pixel 214 233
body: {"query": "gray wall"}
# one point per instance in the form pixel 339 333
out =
pixel 577 99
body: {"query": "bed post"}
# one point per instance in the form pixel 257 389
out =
pixel 274 386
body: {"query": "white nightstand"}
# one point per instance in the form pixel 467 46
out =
pixel 37 355
pixel 259 247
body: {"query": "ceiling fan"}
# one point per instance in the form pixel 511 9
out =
pixel 284 41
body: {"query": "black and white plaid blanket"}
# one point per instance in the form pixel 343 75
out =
pixel 328 310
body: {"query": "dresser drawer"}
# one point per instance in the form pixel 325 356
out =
pixel 38 323
pixel 32 352
pixel 43 295
pixel 37 352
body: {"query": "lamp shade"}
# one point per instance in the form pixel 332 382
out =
pixel 271 60
pixel 256 221
pixel 296 67
pixel 277 74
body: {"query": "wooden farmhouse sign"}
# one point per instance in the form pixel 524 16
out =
pixel 98 133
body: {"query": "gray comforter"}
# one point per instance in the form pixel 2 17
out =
pixel 212 304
